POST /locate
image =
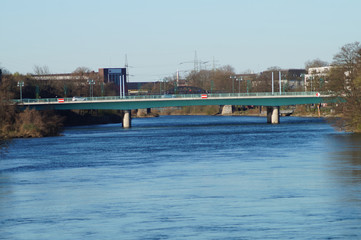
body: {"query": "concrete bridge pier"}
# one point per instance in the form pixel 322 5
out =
pixel 127 119
pixel 143 112
pixel 273 115
pixel 227 110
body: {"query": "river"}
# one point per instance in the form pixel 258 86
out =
pixel 184 177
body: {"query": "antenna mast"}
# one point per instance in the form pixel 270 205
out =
pixel 126 66
pixel 195 61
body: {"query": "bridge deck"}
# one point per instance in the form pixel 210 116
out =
pixel 155 101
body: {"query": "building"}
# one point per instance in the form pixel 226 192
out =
pixel 295 78
pixel 117 76
pixel 317 72
pixel 290 78
pixel 139 88
pixel 316 76
pixel 106 75
pixel 64 77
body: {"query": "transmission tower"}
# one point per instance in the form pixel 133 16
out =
pixel 195 61
pixel 126 67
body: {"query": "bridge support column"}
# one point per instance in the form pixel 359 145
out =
pixel 273 115
pixel 143 112
pixel 227 110
pixel 127 119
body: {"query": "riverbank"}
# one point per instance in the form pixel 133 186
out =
pixel 31 123
pixel 89 117
pixel 297 111
pixel 34 124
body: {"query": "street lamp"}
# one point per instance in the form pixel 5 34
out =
pixel 239 82
pixel 21 85
pixel 233 77
pixel 239 85
pixel 91 89
pixel 304 81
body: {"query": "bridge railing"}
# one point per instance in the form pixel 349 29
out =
pixel 167 96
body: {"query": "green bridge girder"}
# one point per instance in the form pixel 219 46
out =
pixel 159 101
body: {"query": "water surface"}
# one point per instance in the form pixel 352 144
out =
pixel 184 177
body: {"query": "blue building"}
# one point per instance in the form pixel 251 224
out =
pixel 117 76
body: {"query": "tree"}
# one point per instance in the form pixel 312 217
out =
pixel 274 68
pixel 44 70
pixel 217 80
pixel 4 71
pixel 345 82
pixel 201 79
pixel 349 57
pixel 221 78
pixel 81 71
pixel 7 111
pixel 315 63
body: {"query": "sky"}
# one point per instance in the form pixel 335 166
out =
pixel 158 37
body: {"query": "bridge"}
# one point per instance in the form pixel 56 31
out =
pixel 271 100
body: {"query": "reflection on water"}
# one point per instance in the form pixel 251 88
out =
pixel 350 147
pixel 346 156
pixel 4 144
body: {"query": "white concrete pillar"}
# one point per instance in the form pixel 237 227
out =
pixel 141 112
pixel 127 119
pixel 276 115
pixel 227 110
pixel 273 115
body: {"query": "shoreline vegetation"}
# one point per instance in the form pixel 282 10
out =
pixel 30 123
pixel 33 124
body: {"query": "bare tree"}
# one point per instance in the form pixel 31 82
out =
pixel 274 68
pixel 315 63
pixel 345 81
pixel 44 70
pixel 201 79
pixel 349 54
pixel 4 71
pixel 222 80
pixel 81 70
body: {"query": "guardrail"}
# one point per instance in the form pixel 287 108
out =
pixel 170 96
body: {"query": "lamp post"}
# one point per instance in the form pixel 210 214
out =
pixel 233 77
pixel 37 92
pixel 102 88
pixel 239 83
pixel 280 81
pixel 21 85
pixel 160 87
pixel 249 86
pixel 273 87
pixel 304 81
pixel 91 84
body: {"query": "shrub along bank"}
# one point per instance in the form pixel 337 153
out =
pixel 32 123
pixel 28 123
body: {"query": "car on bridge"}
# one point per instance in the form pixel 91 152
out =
pixel 75 98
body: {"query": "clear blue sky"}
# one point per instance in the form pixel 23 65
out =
pixel 157 35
